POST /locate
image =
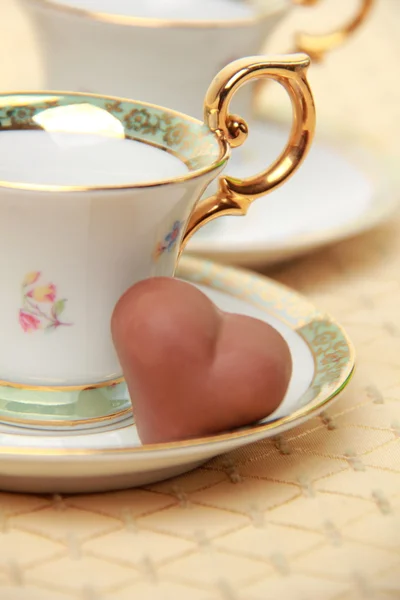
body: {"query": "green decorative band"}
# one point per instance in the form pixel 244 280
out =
pixel 188 139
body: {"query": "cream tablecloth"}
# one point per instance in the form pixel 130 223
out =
pixel 313 514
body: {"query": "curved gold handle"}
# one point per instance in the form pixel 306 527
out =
pixel 234 196
pixel 316 46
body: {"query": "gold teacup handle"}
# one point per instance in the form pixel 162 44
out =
pixel 316 46
pixel 234 196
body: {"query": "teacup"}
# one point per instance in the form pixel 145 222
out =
pixel 161 52
pixel 97 193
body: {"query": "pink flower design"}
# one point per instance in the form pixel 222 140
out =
pixel 36 312
pixel 28 322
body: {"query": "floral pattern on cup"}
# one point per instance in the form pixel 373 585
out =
pixel 41 310
pixel 169 241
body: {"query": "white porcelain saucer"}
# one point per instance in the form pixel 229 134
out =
pixel 323 361
pixel 343 188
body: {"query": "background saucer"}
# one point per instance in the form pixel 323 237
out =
pixel 342 189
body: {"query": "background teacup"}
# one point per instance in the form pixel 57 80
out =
pixel 161 52
pixel 97 193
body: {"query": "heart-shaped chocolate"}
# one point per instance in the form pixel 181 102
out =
pixel 191 369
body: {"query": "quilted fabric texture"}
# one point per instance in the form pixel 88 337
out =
pixel 312 514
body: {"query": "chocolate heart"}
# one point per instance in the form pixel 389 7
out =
pixel 191 369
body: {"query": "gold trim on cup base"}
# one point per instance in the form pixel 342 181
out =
pixel 61 388
pixel 59 408
pixel 106 420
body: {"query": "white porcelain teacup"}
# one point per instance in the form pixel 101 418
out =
pixel 158 51
pixel 97 193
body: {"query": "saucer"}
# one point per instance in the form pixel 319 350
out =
pixel 342 189
pixel 113 457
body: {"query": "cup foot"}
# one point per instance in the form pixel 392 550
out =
pixel 51 409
